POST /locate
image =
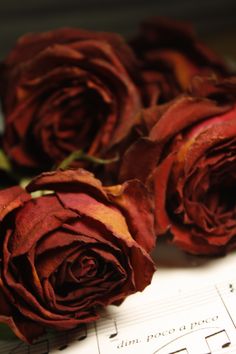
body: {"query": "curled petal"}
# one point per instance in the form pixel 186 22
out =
pixel 160 179
pixel 144 152
pixel 12 198
pixel 137 206
pixel 69 180
pixel 186 111
pixel 24 329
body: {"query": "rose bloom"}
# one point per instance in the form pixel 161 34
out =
pixel 66 90
pixel 189 160
pixel 78 247
pixel 171 55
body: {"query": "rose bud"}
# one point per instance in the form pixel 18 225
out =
pixel 67 90
pixel 74 249
pixel 171 55
pixel 189 162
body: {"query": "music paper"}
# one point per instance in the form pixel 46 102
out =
pixel 189 308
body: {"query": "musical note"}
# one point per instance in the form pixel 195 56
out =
pixel 64 341
pixel 51 341
pixel 41 347
pixel 187 343
pixel 115 332
pixel 84 333
pixel 218 340
pixel 63 347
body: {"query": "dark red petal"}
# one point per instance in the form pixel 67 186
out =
pixel 197 146
pixel 35 220
pixel 182 237
pixel 136 204
pixel 107 215
pixel 139 160
pixel 143 267
pixel 182 113
pixel 25 329
pixel 69 180
pixel 12 198
pixel 160 179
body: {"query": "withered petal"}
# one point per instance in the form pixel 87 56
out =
pixel 37 218
pixel 137 205
pixel 186 111
pixel 159 179
pixel 68 180
pixel 12 198
pixel 110 217
pixel 144 152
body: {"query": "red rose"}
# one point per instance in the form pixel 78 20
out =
pixel 74 249
pixel 67 90
pixel 171 54
pixel 189 158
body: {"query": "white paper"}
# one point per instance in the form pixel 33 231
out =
pixel 190 308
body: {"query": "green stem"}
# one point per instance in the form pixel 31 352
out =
pixel 80 155
pixel 76 155
pixel 6 166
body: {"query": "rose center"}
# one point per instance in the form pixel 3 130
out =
pixel 222 197
pixel 83 119
pixel 87 267
pixel 72 275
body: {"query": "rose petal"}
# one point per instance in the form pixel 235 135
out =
pixel 143 152
pixel 137 206
pixel 186 111
pixel 69 180
pixel 107 215
pixel 24 329
pixel 160 179
pixel 12 198
pixel 36 219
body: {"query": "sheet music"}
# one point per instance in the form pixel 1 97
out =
pixel 190 308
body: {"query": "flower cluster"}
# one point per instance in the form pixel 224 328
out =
pixel 121 142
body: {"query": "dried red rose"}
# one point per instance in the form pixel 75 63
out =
pixel 171 55
pixel 66 253
pixel 67 90
pixel 189 158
